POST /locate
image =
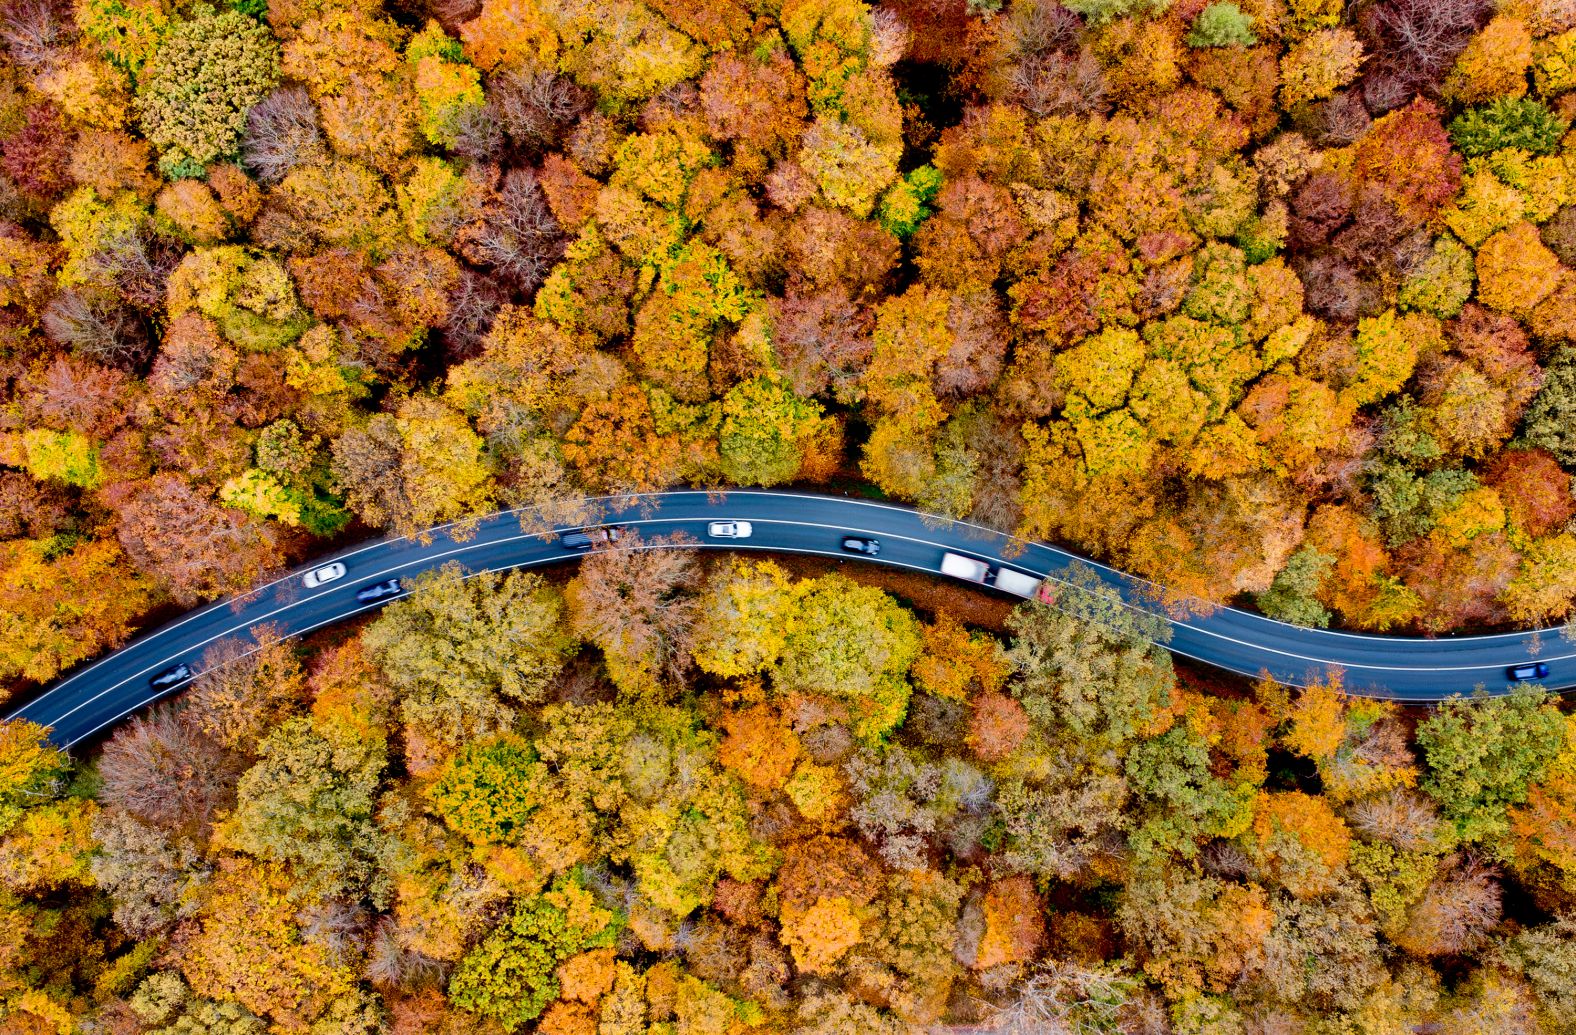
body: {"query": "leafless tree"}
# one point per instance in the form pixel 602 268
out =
pixel 33 31
pixel 1335 291
pixel 516 234
pixel 281 133
pixel 674 102
pixel 1067 998
pixel 339 926
pixel 1559 234
pixel 451 14
pixel 1413 43
pixel 1055 83
pixel 478 133
pixel 150 875
pixel 1341 120
pixel 979 345
pixel 391 965
pixel 97 326
pixel 473 302
pixel 1456 911
pixel 1225 859
pixel 640 603
pixel 822 341
pixel 164 769
pixel 137 265
pixel 537 108
pixel 1032 27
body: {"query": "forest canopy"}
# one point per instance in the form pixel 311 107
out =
pixel 1269 301
pixel 752 803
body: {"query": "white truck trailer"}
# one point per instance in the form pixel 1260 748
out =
pixel 1008 580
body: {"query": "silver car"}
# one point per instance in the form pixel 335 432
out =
pixel 323 576
pixel 729 529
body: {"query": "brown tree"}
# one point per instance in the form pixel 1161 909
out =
pixel 638 603
pixel 245 686
pixel 192 545
pixel 165 769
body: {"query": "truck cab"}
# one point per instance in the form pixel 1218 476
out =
pixel 1008 580
pixel 1021 584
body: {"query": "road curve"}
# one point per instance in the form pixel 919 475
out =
pixel 1404 668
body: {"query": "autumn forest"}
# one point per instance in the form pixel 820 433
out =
pixel 1272 302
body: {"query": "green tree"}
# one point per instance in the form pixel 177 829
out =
pixel 205 76
pixel 65 456
pixel 456 643
pixel 1483 753
pixel 1551 419
pixel 1101 11
pixel 766 432
pixel 1222 24
pixel 32 770
pixel 906 205
pixel 855 643
pixel 166 1005
pixel 1184 802
pixel 1518 122
pixel 1408 503
pixel 488 791
pixel 1089 665
pixel 308 802
pixel 1293 596
pixel 448 88
pixel 511 976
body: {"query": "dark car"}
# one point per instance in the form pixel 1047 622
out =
pixel 173 676
pixel 589 538
pixel 379 591
pixel 1532 670
pixel 857 544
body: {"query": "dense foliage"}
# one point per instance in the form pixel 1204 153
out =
pixel 758 804
pixel 1265 300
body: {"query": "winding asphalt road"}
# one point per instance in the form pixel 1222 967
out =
pixel 1417 670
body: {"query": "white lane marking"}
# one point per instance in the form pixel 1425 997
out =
pixel 297 572
pixel 1128 576
pixel 164 663
pixel 540 562
pixel 628 501
pixel 479 544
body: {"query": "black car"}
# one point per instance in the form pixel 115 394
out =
pixel 173 676
pixel 379 591
pixel 588 538
pixel 856 544
pixel 1532 670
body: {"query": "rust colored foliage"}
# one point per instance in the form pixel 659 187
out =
pixel 615 444
pixel 36 155
pixel 1407 154
pixel 1535 489
pixel 760 746
pixel 198 548
pixel 1014 923
pixel 997 727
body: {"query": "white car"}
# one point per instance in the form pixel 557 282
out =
pixel 729 529
pixel 323 576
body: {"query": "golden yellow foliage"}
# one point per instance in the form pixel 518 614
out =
pixel 821 935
